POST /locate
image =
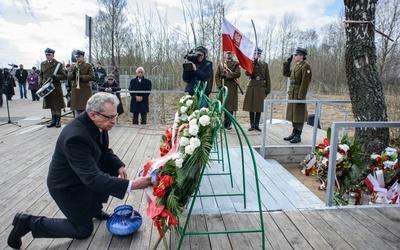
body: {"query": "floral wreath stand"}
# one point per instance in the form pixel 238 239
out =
pixel 182 227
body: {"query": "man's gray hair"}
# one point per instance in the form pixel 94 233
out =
pixel 96 101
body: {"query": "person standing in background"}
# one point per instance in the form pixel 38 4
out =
pixel 2 87
pixel 21 74
pixel 100 74
pixel 33 84
pixel 9 84
pixel 229 71
pixel 55 100
pixel 140 101
pixel 112 86
pixel 257 90
pixel 80 75
pixel 115 72
pixel 300 78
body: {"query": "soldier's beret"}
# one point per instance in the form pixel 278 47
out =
pixel 49 51
pixel 79 53
pixel 301 51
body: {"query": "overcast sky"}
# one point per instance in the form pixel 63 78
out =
pixel 27 31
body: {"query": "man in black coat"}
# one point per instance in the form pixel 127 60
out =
pixel 21 74
pixel 83 172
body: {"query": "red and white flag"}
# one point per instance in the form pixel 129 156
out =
pixel 233 40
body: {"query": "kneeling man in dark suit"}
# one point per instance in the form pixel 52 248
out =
pixel 82 174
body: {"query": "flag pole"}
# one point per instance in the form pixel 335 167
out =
pixel 255 36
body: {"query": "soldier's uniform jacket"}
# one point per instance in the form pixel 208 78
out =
pixel 232 98
pixel 80 96
pixel 258 88
pixel 300 78
pixel 55 100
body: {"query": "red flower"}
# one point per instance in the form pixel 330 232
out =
pixel 372 168
pixel 153 210
pixel 169 217
pixel 396 166
pixel 158 191
pixel 166 181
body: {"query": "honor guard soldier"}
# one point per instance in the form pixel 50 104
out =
pixel 257 90
pixel 51 71
pixel 300 78
pixel 80 75
pixel 229 72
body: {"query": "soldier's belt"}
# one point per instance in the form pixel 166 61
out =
pixel 295 83
pixel 257 78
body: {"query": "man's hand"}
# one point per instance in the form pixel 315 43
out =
pixel 141 182
pixel 289 60
pixel 53 77
pixel 223 76
pixel 74 71
pixel 122 173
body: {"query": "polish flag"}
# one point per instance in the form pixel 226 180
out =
pixel 233 40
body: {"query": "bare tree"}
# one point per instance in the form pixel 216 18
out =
pixel 366 92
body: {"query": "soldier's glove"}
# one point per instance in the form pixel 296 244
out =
pixel 53 77
pixel 266 93
pixel 289 60
pixel 80 78
pixel 74 71
pixel 223 76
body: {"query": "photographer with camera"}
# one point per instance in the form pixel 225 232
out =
pixel 257 90
pixel 197 68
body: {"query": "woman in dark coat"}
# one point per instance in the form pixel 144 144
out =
pixel 9 84
pixel 140 101
pixel 112 86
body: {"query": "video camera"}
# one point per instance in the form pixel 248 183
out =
pixel 190 57
pixel 13 65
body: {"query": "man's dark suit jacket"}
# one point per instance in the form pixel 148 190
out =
pixel 83 172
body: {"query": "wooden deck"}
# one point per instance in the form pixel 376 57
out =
pixel 293 217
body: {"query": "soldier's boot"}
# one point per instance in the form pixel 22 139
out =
pixel 251 121
pixel 290 137
pixel 53 121
pixel 58 121
pixel 257 121
pixel 297 137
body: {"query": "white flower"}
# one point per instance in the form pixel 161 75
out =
pixel 344 147
pixel 339 157
pixel 176 155
pixel 184 117
pixel 193 130
pixel 195 142
pixel 189 103
pixel 192 122
pixel 189 149
pixel 324 161
pixel 327 148
pixel 184 109
pixel 374 156
pixel 179 162
pixel 186 132
pixel 204 120
pixel 390 151
pixel 184 141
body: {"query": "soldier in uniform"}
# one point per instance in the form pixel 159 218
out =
pixel 300 78
pixel 80 75
pixel 55 100
pixel 229 72
pixel 257 90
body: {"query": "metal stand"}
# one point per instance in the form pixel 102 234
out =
pixel 8 110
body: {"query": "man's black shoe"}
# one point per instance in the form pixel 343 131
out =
pixel 21 225
pixel 102 215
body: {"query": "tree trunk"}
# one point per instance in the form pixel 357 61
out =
pixel 365 88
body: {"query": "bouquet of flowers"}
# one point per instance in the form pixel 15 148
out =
pixel 185 148
pixel 347 163
pixel 385 161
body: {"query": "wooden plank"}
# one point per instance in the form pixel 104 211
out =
pixel 273 233
pixel 290 231
pixel 379 231
pixel 215 222
pixel 313 237
pixel 326 232
pixel 344 228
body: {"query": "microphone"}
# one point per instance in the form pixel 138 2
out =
pixel 13 65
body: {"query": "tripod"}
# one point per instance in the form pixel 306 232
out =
pixel 8 108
